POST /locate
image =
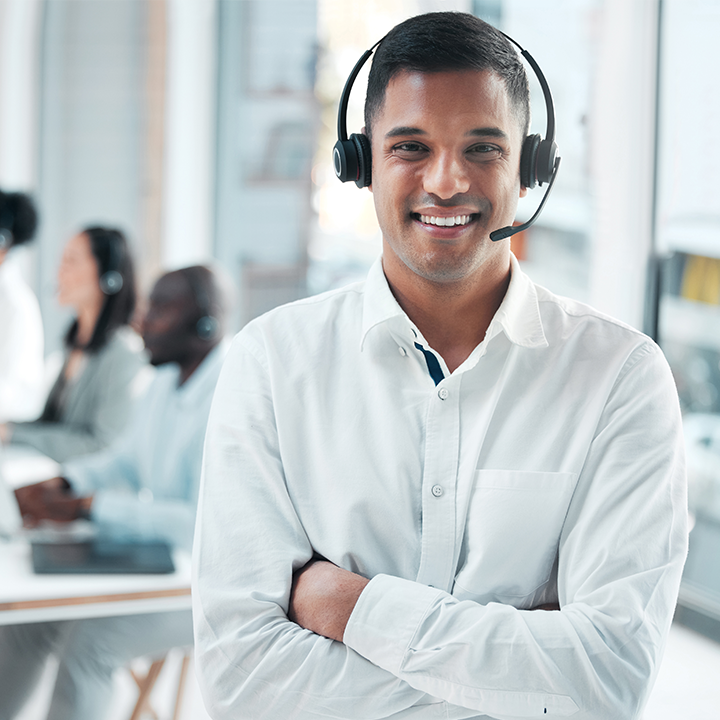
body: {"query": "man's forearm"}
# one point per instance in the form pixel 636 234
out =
pixel 323 598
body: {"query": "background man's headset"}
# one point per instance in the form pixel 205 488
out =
pixel 208 326
pixel 539 160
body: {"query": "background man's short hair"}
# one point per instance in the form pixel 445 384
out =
pixel 446 41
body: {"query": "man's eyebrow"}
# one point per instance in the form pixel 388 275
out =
pixel 404 130
pixel 494 132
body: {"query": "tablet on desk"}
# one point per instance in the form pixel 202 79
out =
pixel 102 555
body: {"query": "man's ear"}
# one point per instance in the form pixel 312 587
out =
pixel 523 191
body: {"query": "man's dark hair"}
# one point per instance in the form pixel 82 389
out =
pixel 18 218
pixel 441 42
pixel 111 250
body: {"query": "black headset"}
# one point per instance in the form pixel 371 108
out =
pixel 208 326
pixel 111 281
pixel 6 223
pixel 539 159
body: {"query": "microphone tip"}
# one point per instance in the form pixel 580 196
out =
pixel 501 234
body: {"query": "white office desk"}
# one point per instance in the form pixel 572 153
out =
pixel 26 597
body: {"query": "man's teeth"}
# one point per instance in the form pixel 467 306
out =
pixel 445 221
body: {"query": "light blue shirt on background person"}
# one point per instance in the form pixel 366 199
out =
pixel 145 485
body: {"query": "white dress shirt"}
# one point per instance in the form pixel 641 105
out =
pixel 21 347
pixel 547 467
pixel 145 485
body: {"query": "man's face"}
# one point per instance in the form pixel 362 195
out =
pixel 168 328
pixel 445 173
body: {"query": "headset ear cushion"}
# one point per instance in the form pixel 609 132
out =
pixel 111 282
pixel 345 160
pixel 364 155
pixel 528 161
pixel 546 156
pixel 207 327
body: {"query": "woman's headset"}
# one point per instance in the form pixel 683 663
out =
pixel 111 281
pixel 539 159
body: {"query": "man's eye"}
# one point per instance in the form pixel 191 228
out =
pixel 485 152
pixel 408 148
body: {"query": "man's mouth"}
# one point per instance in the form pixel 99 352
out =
pixel 445 221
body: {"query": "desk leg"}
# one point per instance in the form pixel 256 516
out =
pixel 146 685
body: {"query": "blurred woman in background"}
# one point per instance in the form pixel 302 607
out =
pixel 21 332
pixel 104 368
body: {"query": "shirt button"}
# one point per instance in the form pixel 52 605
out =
pixel 443 393
pixel 145 495
pixel 437 490
pixel 402 350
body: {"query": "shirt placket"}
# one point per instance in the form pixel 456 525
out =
pixel 439 486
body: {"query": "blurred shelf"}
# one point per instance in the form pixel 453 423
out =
pixel 689 322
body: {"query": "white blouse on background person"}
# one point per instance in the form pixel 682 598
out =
pixel 21 347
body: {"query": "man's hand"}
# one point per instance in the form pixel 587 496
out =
pixel 323 597
pixel 51 500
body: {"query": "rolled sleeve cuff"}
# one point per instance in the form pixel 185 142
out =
pixel 386 618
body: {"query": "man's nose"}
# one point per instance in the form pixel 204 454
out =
pixel 446 176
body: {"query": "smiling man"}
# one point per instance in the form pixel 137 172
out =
pixel 443 492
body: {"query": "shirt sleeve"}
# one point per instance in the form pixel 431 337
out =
pixel 115 466
pixel 251 660
pixel 620 560
pixel 122 504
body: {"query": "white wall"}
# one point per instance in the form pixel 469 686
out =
pixel 622 139
pixel 19 27
pixel 188 206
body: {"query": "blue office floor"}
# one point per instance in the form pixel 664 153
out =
pixel 688 686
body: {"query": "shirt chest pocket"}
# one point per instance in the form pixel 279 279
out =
pixel 512 532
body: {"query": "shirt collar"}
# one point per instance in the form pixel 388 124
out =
pixel 379 304
pixel 518 315
pixel 195 389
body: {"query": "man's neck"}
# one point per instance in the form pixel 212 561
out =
pixel 453 317
pixel 189 365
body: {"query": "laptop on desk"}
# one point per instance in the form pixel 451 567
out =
pixel 102 555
